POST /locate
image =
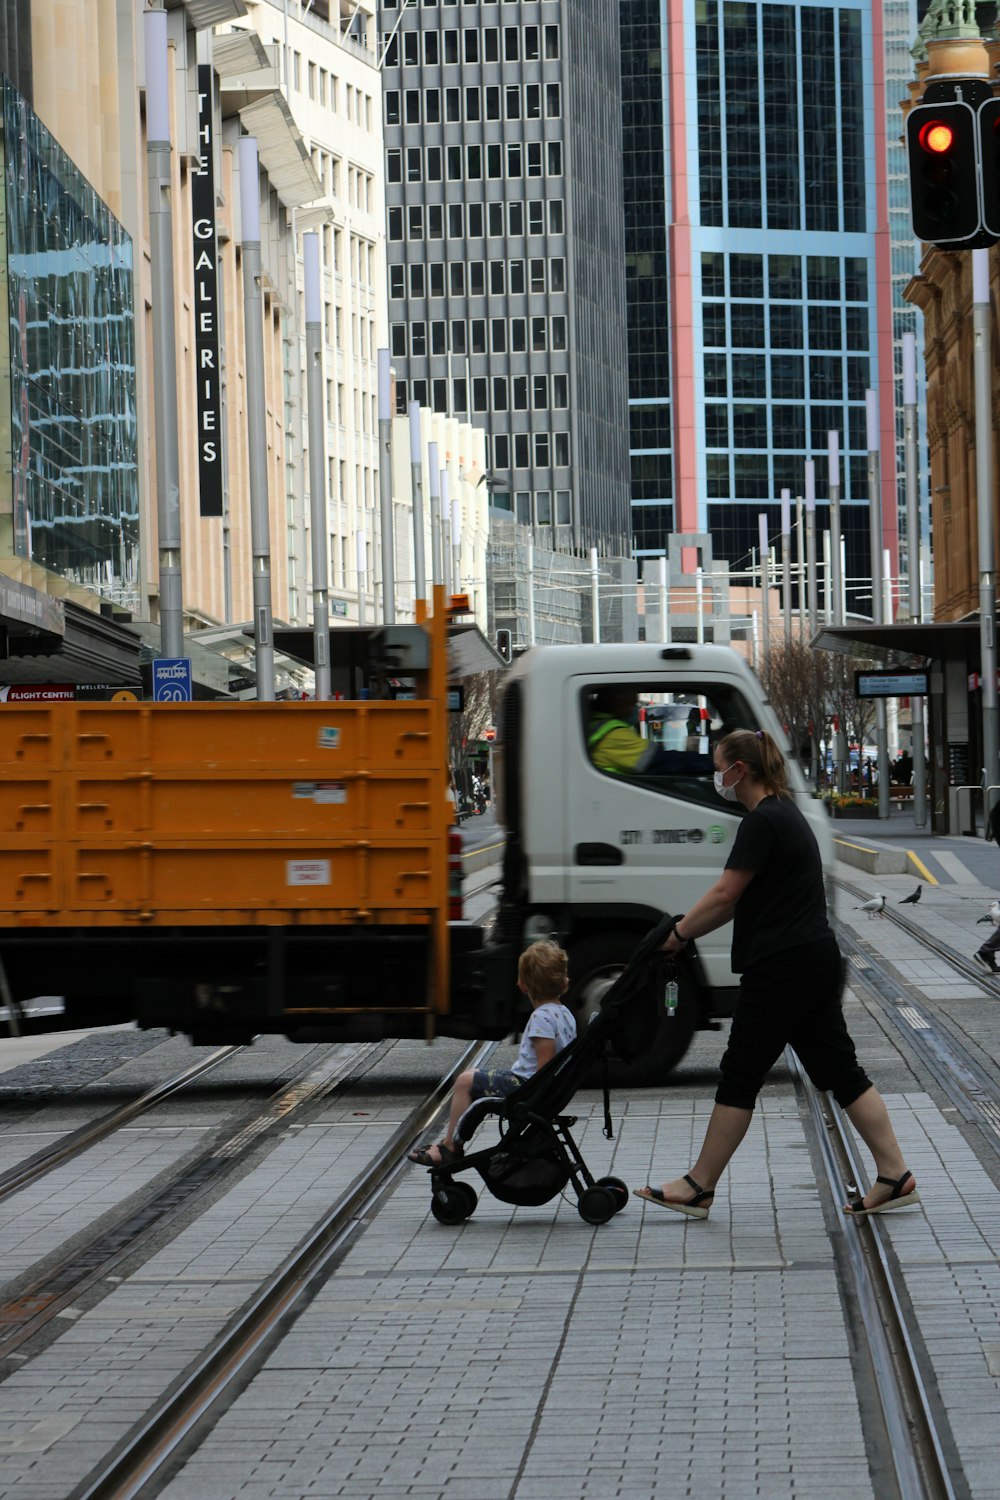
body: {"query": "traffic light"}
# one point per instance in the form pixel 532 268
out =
pixel 942 149
pixel 989 161
pixel 504 644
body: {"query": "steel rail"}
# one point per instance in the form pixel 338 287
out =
pixel 913 1442
pixel 78 1141
pixel 247 1339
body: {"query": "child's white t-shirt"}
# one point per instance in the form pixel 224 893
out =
pixel 551 1020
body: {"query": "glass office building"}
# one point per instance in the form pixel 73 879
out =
pixel 69 487
pixel 759 291
pixel 505 248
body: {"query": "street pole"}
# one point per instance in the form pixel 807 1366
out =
pixel 446 532
pixel 417 472
pixel 595 603
pixel 765 568
pixel 812 580
pixel 456 543
pixel 531 593
pixel 434 466
pixel 664 593
pixel 361 561
pixel 982 359
pixel 786 562
pixel 912 464
pixel 317 464
pixel 253 324
pixel 699 596
pixel 385 487
pixel 833 469
pixel 800 565
pixel 161 253
pixel 875 546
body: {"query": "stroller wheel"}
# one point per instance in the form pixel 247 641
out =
pixel 617 1188
pixel 597 1204
pixel 454 1204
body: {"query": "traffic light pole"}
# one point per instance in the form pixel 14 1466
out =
pixel 786 563
pixel 875 537
pixel 913 562
pixel 984 510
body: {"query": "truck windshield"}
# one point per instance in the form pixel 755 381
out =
pixel 661 734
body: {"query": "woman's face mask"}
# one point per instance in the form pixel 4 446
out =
pixel 727 793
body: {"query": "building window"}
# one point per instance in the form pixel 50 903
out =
pixel 515 281
pixel 418 339
pixel 456 221
pixel 537 274
pixel 439 395
pixel 432 106
pixel 436 270
pixel 477 336
pixel 501 451
pixel 415 222
pixel 493 102
pixel 394 166
pixel 498 336
pixel 499 393
pixel 477 278
pixel 395 218
pixel 439 336
pixel 533 102
pixel 522 450
pixel 554 158
pixel 494 220
pixel 480 393
pixel 435 221
pixel 518 336
pixel 515 220
pixel 543 507
pixel 453 106
pixel 411 101
pixel 456 278
pixel 397 343
pixel 556 223
pixel 553 101
pixel 514 161
pixel 397 281
pixel 414 165
pixel 519 392
pixel 417 281
pixel 511 44
pixel 458 339
pixel 512 101
pixel 540 392
pixel 541 450
pixel 392 107
pixel 475 221
pixel 561 446
pixel 564 508
pixel 473 105
pixel 497 278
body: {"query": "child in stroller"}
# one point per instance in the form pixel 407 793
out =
pixel 542 975
pixel 536 1155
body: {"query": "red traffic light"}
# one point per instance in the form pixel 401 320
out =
pixel 937 137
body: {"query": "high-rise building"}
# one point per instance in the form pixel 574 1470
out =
pixel 505 247
pixel 759 274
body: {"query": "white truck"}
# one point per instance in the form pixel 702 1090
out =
pixel 596 858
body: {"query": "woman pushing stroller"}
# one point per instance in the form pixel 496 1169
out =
pixel 791 982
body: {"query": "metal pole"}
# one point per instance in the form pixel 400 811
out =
pixel 161 249
pixel 385 486
pixel 827 577
pixel 875 543
pixel 912 464
pixel 786 562
pixel 699 599
pixel 253 325
pixel 800 565
pixel 765 568
pixel 361 562
pixel 812 580
pixel 417 471
pixel 317 464
pixel 434 466
pixel 755 636
pixel 456 543
pixel 595 603
pixel 664 593
pixel 446 531
pixel 833 462
pixel 531 593
pixel 982 358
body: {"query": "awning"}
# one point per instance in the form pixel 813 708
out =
pixel 468 649
pixel 282 151
pixel 202 14
pixel 951 640
pixel 247 70
pixel 95 648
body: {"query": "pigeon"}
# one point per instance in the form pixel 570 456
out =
pixel 992 914
pixel 912 900
pixel 874 907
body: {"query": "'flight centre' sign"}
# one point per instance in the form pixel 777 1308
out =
pixel 206 307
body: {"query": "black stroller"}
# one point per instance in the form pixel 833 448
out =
pixel 536 1155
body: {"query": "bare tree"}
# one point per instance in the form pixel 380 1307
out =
pixel 795 678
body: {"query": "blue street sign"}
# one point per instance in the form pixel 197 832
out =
pixel 172 679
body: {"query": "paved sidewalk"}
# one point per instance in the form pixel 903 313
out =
pixel 526 1354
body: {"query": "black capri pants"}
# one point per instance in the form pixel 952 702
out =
pixel 792 999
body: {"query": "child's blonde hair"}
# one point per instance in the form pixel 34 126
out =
pixel 543 970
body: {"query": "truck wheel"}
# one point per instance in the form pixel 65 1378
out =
pixel 595 963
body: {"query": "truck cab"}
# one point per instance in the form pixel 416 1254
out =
pixel 597 856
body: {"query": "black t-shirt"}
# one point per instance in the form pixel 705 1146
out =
pixel 784 906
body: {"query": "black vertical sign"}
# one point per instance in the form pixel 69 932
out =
pixel 206 306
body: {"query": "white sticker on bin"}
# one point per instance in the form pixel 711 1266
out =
pixel 308 871
pixel 329 738
pixel 319 791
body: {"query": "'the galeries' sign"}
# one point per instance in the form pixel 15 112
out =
pixel 206 307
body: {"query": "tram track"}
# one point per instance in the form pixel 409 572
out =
pixel 69 1276
pixel 912 1440
pixel 155 1444
pixel 72 1145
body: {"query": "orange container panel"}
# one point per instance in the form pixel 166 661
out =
pixel 27 806
pixel 29 878
pixel 252 877
pixel 244 805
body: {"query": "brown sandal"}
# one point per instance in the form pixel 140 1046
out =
pixel 446 1156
